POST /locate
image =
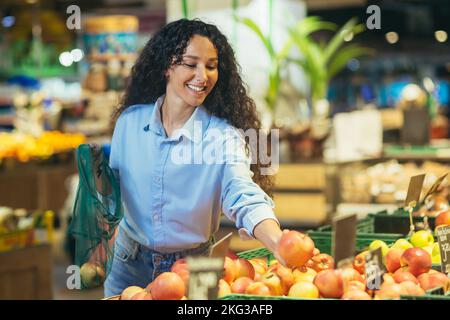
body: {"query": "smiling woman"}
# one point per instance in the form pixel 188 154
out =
pixel 184 89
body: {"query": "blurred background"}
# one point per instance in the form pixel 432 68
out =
pixel 359 90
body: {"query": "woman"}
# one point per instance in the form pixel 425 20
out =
pixel 184 89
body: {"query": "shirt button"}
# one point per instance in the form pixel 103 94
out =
pixel 157 179
pixel 155 216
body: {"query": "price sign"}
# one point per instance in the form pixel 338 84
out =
pixel 443 235
pixel 414 190
pixel 221 247
pixel 374 269
pixel 413 197
pixel 344 236
pixel 435 186
pixel 204 276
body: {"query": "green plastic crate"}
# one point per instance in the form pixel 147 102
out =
pixel 256 253
pixel 365 234
pixel 396 222
pixel 433 294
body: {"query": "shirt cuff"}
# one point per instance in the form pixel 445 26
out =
pixel 253 218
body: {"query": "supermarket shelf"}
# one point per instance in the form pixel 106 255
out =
pixel 6 120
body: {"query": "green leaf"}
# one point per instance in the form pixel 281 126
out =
pixel 311 24
pixel 340 60
pixel 338 39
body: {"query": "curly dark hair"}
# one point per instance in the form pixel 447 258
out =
pixel 228 99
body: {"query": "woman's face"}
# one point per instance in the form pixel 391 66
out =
pixel 192 80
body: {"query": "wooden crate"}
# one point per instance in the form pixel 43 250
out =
pixel 26 274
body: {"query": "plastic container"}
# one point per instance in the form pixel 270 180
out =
pixel 366 232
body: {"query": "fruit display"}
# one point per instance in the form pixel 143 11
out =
pixel 386 182
pixel 24 147
pixel 308 274
pixel 21 228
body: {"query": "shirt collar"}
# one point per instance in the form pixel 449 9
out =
pixel 194 129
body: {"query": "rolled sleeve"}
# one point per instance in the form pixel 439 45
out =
pixel 243 201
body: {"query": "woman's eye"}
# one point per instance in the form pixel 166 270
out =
pixel 189 65
pixel 212 67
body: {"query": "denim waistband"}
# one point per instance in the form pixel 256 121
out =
pixel 202 249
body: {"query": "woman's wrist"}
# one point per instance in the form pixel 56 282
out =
pixel 269 233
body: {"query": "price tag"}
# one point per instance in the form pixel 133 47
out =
pixel 414 190
pixel 435 186
pixel 220 248
pixel 413 197
pixel 204 276
pixel 374 269
pixel 443 235
pixel 344 237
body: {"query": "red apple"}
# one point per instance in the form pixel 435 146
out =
pixel 260 267
pixel 350 274
pixel 433 280
pixel 388 278
pixel 410 288
pixel 232 255
pixel 355 285
pixel 224 288
pixel 230 270
pixel 129 292
pixel 356 295
pixel 143 295
pixel 304 274
pixel 257 289
pixel 295 248
pixel 393 259
pixel 244 269
pixel 322 262
pixel 240 285
pixel 330 283
pixel 181 268
pixel 402 275
pixel 359 262
pixel 304 289
pixel 286 276
pixel 389 291
pixel 167 286
pixel 443 219
pixel 273 282
pixel 417 260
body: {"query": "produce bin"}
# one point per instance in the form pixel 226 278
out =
pixel 366 232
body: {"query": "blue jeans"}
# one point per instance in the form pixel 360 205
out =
pixel 136 265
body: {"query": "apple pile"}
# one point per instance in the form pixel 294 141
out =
pixel 307 273
pixel 408 265
pixel 166 286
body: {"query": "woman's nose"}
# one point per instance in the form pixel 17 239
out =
pixel 201 74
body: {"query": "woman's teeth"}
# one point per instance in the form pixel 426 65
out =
pixel 196 88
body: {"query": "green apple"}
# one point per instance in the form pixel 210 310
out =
pixel 436 254
pixel 436 250
pixel 377 244
pixel 428 249
pixel 436 259
pixel 422 238
pixel 402 244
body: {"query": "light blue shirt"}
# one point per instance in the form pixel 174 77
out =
pixel 172 195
